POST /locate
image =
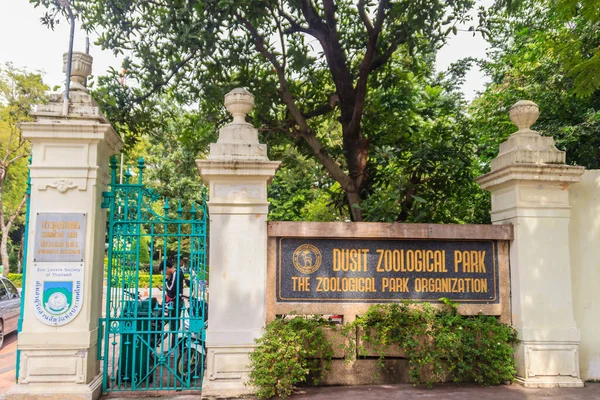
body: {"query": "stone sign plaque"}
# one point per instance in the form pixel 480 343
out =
pixel 59 237
pixel 352 270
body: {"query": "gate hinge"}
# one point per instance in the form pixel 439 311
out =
pixel 106 196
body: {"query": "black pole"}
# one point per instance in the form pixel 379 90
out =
pixel 69 58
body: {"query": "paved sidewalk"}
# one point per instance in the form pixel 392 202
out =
pixel 442 392
pixel 7 363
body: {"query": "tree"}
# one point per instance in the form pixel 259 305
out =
pixel 571 29
pixel 19 91
pixel 321 58
pixel 536 51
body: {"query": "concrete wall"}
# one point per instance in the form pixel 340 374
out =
pixel 585 269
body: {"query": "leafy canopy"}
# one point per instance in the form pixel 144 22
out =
pixel 19 91
pixel 312 66
pixel 538 51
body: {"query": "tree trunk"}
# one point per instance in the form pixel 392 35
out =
pixel 4 253
pixel 22 255
pixel 354 204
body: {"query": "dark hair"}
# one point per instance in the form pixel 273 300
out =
pixel 165 262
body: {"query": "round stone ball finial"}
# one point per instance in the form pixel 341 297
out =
pixel 81 68
pixel 239 102
pixel 523 114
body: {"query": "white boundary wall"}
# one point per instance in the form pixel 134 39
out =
pixel 584 237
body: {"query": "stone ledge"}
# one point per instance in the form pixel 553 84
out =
pixel 382 230
pixel 49 391
pixel 550 382
pixel 558 173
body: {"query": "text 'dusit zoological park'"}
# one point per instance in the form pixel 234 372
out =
pixel 321 270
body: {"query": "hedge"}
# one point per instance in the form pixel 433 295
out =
pixel 16 279
pixel 144 280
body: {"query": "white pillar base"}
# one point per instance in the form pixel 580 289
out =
pixel 57 391
pixel 548 364
pixel 540 382
pixel 227 372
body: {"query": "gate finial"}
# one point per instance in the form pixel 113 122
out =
pixel 141 165
pixel 523 114
pixel 239 102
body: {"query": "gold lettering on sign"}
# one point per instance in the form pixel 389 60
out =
pixel 58 238
pixel 451 285
pixel 337 284
pixel 394 284
pixel 301 283
pixel 411 261
pixel 354 260
pixel 469 261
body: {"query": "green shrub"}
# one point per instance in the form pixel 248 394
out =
pixel 441 342
pixel 16 279
pixel 142 282
pixel 289 353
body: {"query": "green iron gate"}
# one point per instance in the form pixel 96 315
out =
pixel 149 342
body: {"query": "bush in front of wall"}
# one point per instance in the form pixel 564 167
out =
pixel 290 351
pixel 440 342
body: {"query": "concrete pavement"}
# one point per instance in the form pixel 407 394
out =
pixel 442 392
pixel 7 363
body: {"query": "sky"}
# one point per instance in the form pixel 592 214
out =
pixel 26 43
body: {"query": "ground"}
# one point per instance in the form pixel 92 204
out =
pixel 379 392
pixel 7 363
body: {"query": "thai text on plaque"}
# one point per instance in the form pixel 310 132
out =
pixel 59 237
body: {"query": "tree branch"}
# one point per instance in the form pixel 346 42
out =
pixel 312 15
pixel 329 163
pixel 365 67
pixel 330 20
pixel 280 32
pixel 158 85
pixel 303 130
pixel 14 159
pixel 295 26
pixel 382 59
pixel 323 108
pixel 334 53
pixel 17 211
pixel 364 16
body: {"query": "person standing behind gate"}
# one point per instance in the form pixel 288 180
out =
pixel 173 296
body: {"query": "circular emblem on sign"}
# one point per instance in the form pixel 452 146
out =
pixel 307 259
pixel 57 303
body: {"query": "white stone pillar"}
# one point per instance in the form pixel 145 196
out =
pixel 238 172
pixel 59 337
pixel 529 185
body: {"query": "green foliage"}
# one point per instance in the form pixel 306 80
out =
pixel 144 280
pixel 546 52
pixel 144 254
pixel 302 191
pixel 16 279
pixel 290 351
pixel 318 73
pixel 569 30
pixel 19 91
pixel 440 342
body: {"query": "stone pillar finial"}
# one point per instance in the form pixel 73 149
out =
pixel 81 68
pixel 523 114
pixel 239 102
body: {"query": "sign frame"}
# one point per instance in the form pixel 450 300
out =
pixel 59 237
pixel 293 267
